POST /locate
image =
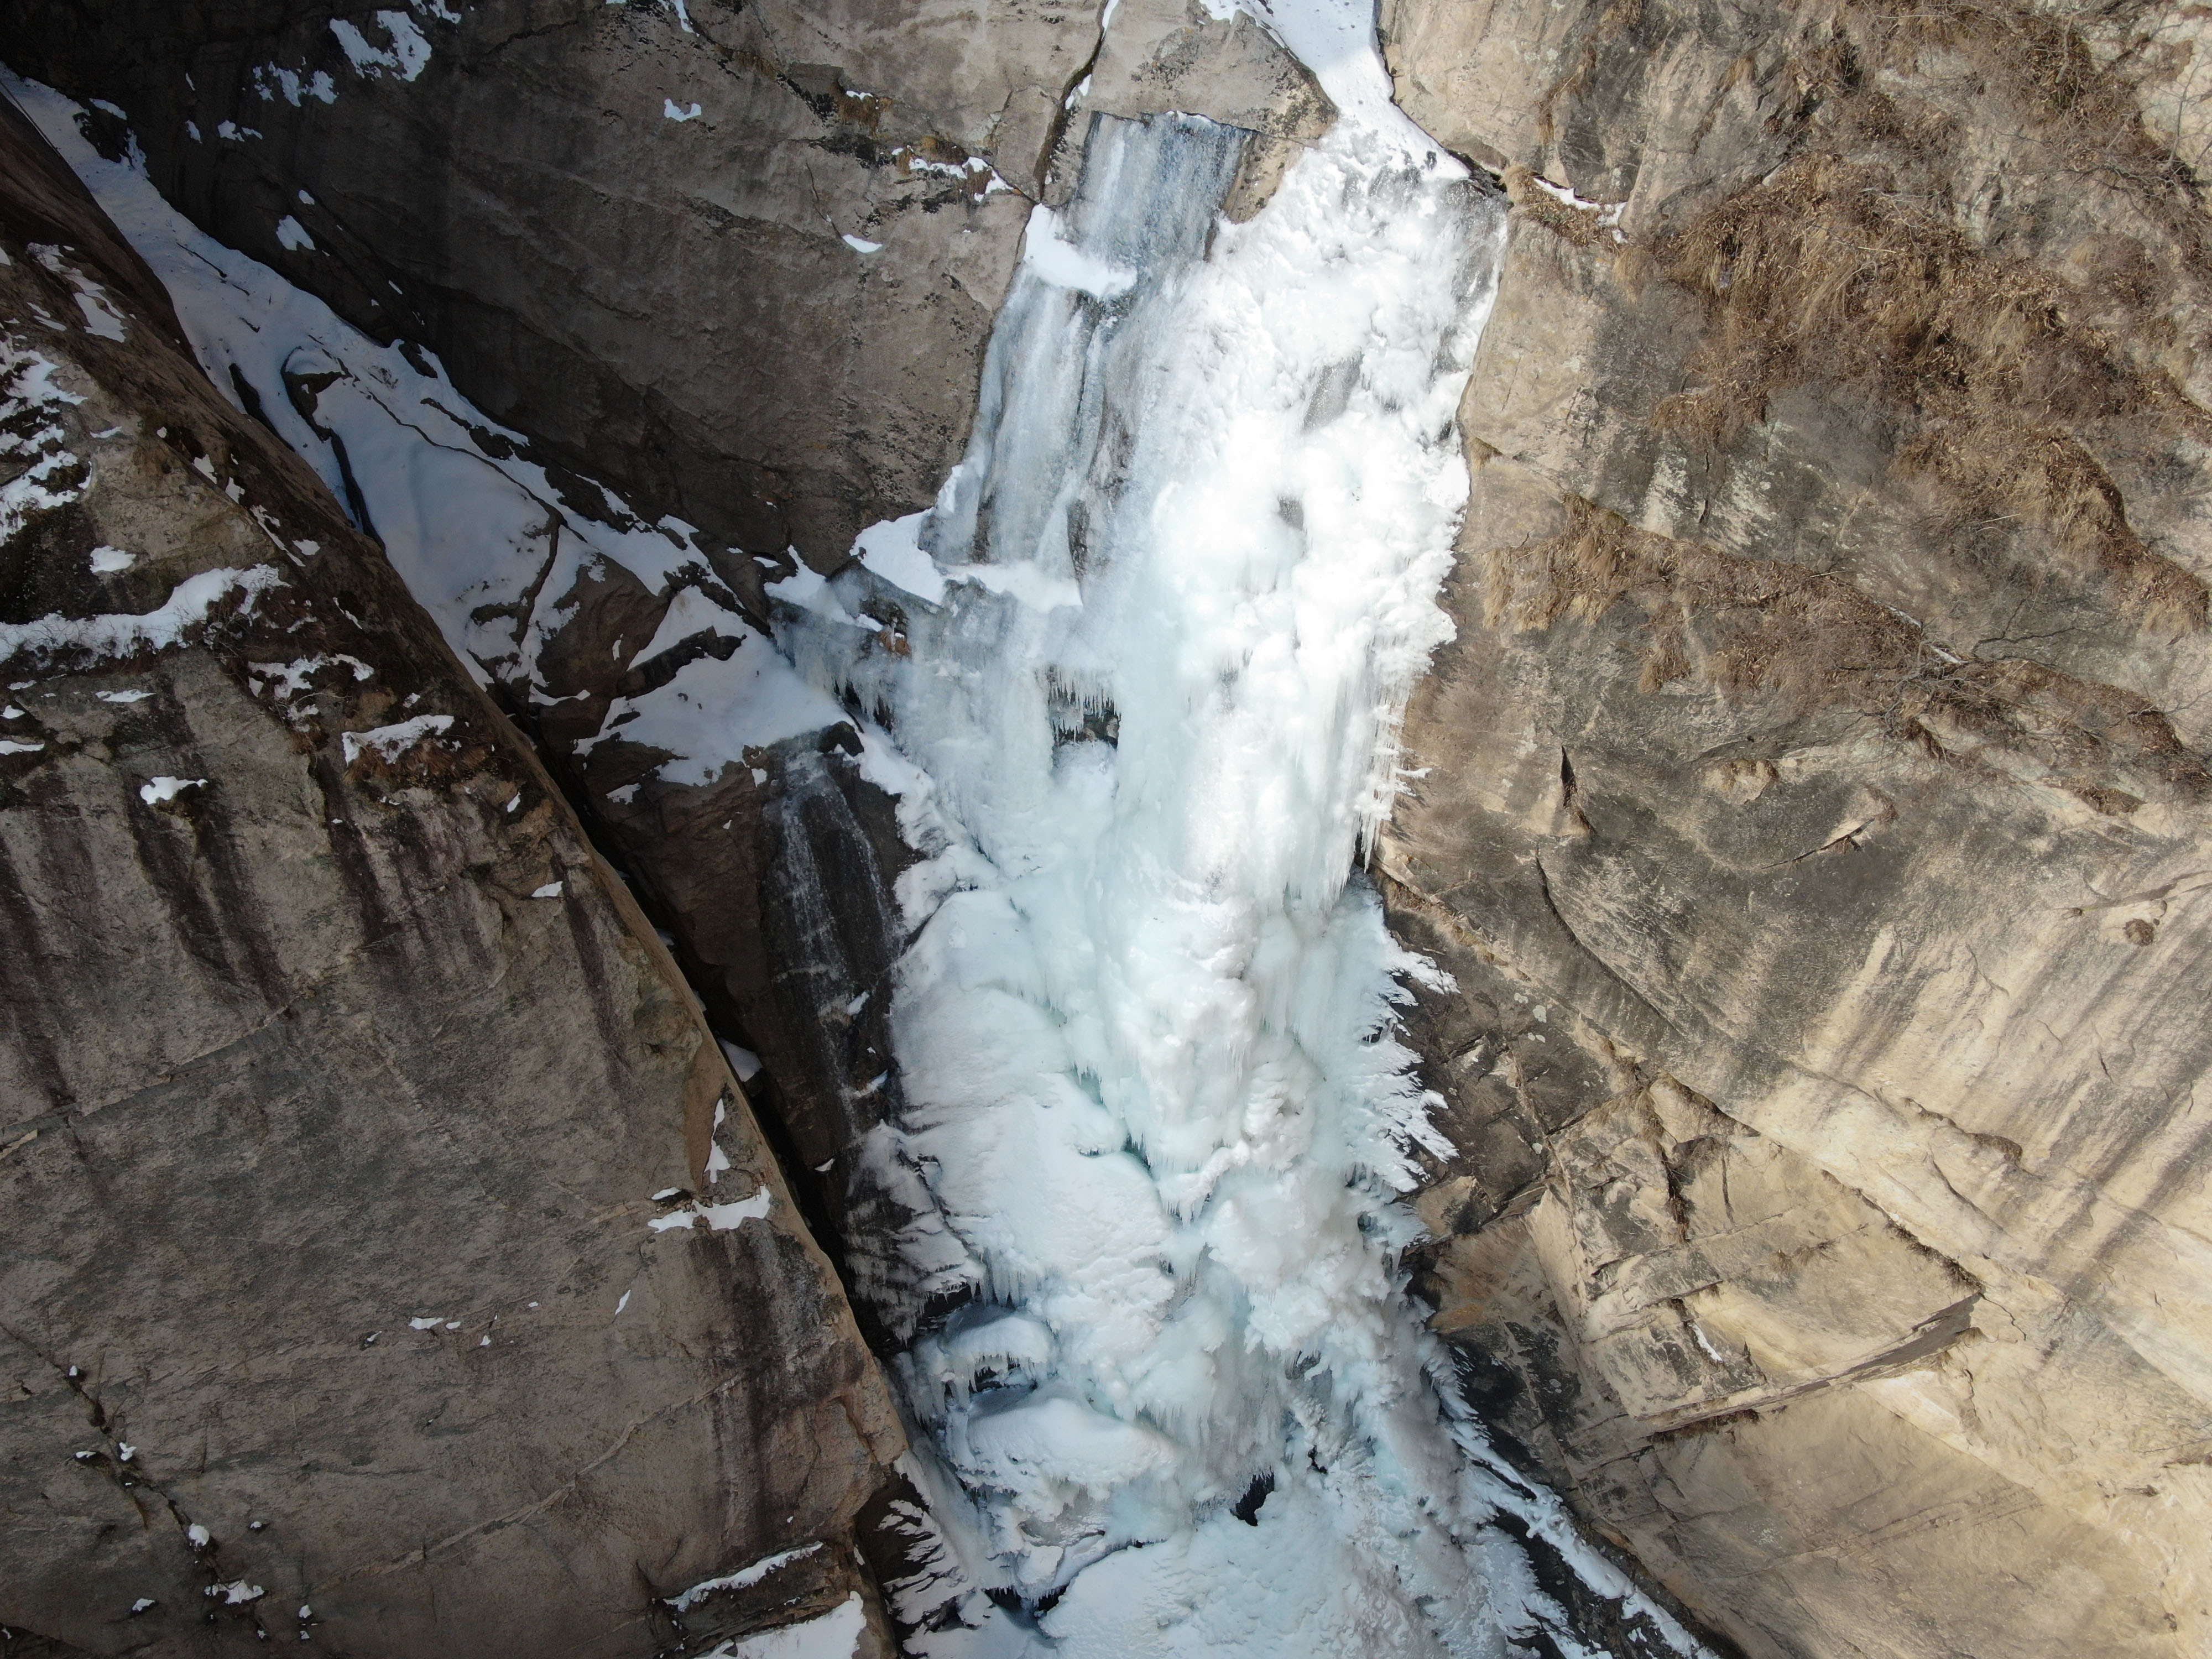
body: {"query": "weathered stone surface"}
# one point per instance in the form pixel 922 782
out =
pixel 667 304
pixel 340 1082
pixel 675 306
pixel 1821 753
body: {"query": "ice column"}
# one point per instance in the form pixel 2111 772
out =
pixel 1150 647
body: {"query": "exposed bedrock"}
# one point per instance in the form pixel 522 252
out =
pixel 740 261
pixel 1812 809
pixel 393 1260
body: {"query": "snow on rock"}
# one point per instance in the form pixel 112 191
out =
pixel 155 791
pixel 388 743
pixel 836 1635
pixel 291 233
pixel 405 55
pixel 480 535
pixel 191 603
pixel 743 1579
pixel 718 1217
pixel 1049 258
pixel 674 112
pixel 891 550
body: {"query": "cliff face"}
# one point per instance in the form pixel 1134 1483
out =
pixel 393 1261
pixel 1814 807
pixel 1809 809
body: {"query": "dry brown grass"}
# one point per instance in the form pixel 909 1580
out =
pixel 1820 273
pixel 1756 628
pixel 1845 265
pixel 1579 226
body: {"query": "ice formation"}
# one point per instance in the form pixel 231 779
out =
pixel 1150 648
pixel 1143 661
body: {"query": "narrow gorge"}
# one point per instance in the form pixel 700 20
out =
pixel 986 830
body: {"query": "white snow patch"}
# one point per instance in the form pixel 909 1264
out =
pixel 718 1217
pixel 405 57
pixel 291 233
pixel 107 560
pixel 890 549
pixel 1051 258
pixel 861 245
pixel 155 791
pixel 100 316
pixel 550 890
pixel 670 109
pixel 12 746
pixel 743 1579
pixel 123 696
pixel 742 1062
pixel 390 742
pixel 189 604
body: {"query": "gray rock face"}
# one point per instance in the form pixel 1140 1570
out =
pixel 665 298
pixel 1814 801
pixel 393 1260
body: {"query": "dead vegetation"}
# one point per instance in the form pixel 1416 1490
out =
pixel 1820 274
pixel 1752 627
pixel 1848 263
pixel 1584 227
pixel 2082 113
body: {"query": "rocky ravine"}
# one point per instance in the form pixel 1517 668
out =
pixel 357 1290
pixel 1809 808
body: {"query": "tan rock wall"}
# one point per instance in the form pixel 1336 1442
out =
pixel 1819 763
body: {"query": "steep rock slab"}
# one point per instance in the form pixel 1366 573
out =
pixel 1811 810
pixel 739 262
pixel 395 1262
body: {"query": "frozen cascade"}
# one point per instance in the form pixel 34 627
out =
pixel 1149 649
pixel 1127 1204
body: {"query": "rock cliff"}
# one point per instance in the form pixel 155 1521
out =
pixel 1812 804
pixel 1809 809
pixel 393 1261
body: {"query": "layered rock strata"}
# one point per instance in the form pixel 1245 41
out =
pixel 394 1262
pixel 1811 809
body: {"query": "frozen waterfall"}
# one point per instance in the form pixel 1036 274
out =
pixel 1142 664
pixel 1149 650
